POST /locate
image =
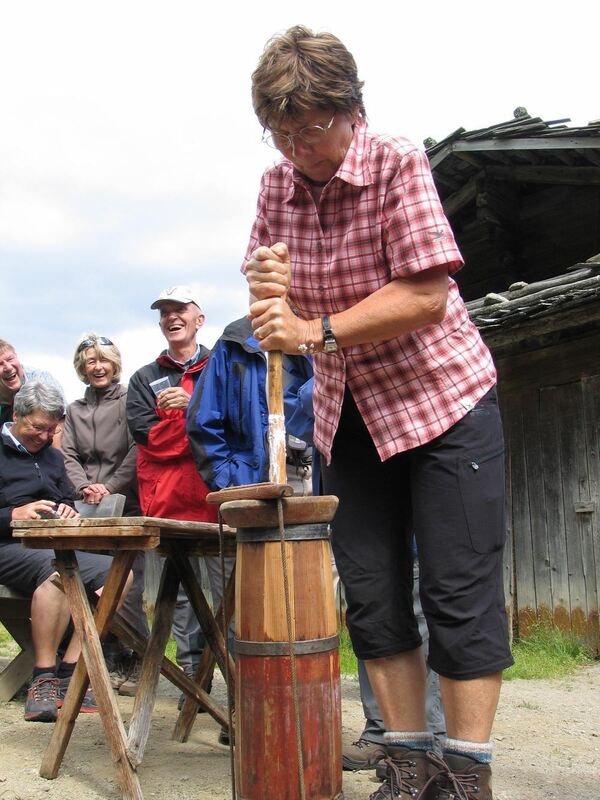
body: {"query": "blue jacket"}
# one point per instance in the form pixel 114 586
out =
pixel 297 397
pixel 299 413
pixel 228 417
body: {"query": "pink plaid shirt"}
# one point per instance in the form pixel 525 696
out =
pixel 379 219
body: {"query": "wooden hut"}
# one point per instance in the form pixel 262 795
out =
pixel 523 198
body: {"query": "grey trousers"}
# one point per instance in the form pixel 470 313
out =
pixel 436 723
pixel 186 629
pixel 132 609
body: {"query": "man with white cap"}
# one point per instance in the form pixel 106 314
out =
pixel 170 486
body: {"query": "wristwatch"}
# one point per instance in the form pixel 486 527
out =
pixel 330 344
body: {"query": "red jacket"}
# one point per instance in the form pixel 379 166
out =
pixel 170 486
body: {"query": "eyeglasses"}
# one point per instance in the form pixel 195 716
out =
pixel 40 430
pixel 93 342
pixel 310 135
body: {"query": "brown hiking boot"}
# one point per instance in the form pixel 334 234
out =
pixel 407 775
pixel 129 686
pixel 362 754
pixel 460 778
pixel 119 667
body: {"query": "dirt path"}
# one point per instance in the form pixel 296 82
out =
pixel 547 732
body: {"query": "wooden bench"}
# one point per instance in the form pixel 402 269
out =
pixel 14 615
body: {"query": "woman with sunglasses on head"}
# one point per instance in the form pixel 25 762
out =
pixel 100 458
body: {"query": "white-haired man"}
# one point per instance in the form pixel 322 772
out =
pixel 170 486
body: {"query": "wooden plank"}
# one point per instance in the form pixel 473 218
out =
pixel 528 143
pixel 555 522
pixel 569 413
pixel 462 197
pixel 556 176
pixel 508 561
pixel 251 491
pixel 296 510
pixel 14 615
pixel 537 507
pixel 16 674
pixel 139 725
pixel 554 364
pixel 436 159
pixel 92 661
pixel 503 341
pixel 94 543
pixel 591 423
pixel 87 531
pixel 183 527
pixel 165 525
pixel 524 572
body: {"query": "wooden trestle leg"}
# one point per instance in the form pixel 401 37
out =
pixel 187 716
pixel 91 628
pixel 139 725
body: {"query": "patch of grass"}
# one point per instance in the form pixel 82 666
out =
pixel 171 650
pixel 547 652
pixel 8 647
pixel 348 663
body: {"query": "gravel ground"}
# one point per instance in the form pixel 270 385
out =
pixel 547 746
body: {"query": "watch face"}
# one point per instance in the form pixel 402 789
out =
pixel 330 344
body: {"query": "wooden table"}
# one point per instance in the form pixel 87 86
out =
pixel 177 540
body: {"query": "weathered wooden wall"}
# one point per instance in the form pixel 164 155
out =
pixel 550 401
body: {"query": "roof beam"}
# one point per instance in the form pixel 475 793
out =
pixel 538 143
pixel 461 197
pixel 571 176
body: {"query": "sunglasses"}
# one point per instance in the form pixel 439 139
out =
pixel 93 342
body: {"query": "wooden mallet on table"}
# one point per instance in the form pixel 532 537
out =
pixel 288 701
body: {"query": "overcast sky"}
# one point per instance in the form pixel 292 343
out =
pixel 130 156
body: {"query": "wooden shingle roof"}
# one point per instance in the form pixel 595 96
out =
pixel 525 149
pixel 577 287
pixel 522 197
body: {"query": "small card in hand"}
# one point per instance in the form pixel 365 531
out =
pixel 159 385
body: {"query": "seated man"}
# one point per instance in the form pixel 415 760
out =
pixel 34 485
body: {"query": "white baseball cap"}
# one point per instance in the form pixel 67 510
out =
pixel 177 294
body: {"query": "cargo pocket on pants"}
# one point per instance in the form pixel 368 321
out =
pixel 481 482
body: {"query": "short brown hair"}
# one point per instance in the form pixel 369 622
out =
pixel 299 71
pixel 108 351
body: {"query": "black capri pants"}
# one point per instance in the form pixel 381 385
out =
pixel 449 493
pixel 24 570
